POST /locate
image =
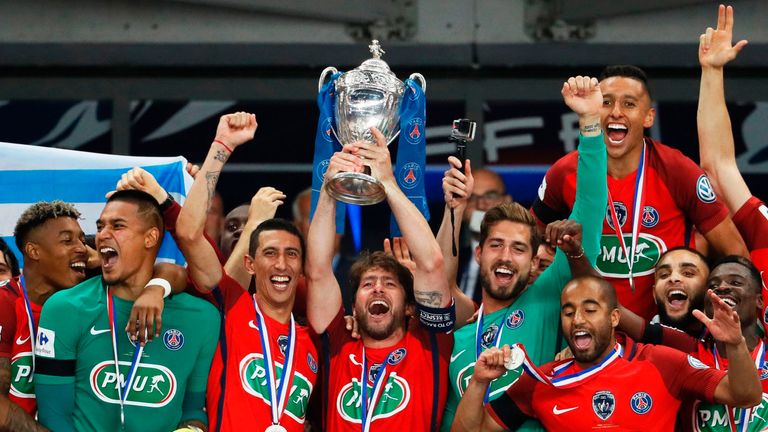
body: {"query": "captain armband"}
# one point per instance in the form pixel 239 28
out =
pixel 438 320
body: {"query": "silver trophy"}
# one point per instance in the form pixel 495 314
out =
pixel 367 96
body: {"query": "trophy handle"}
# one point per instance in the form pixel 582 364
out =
pixel 324 75
pixel 420 78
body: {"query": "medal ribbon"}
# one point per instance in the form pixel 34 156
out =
pixel 758 355
pixel 378 382
pixel 637 214
pixel 124 389
pixel 279 394
pixel 568 380
pixel 30 319
pixel 479 342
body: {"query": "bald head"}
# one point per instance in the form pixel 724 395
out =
pixel 489 191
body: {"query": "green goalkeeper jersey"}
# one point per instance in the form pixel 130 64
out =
pixel 75 357
pixel 534 318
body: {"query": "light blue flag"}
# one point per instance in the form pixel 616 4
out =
pixel 29 174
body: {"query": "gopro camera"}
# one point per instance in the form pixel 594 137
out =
pixel 463 130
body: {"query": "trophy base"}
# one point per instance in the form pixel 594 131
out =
pixel 355 188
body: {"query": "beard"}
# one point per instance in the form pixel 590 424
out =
pixel 504 293
pixel 379 331
pixel 687 321
pixel 599 346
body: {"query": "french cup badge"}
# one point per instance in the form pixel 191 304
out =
pixel 603 403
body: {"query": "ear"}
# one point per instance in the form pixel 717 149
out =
pixel 760 303
pixel 410 310
pixel 615 317
pixel 649 117
pixel 151 238
pixel 31 251
pixel 535 261
pixel 248 262
pixel 478 252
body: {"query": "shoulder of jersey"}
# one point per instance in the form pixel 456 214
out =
pixel 184 300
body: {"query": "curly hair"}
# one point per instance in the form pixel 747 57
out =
pixel 379 259
pixel 39 213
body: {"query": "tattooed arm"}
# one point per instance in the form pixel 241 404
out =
pixel 204 267
pixel 12 417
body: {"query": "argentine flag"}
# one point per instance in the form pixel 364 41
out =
pixel 29 174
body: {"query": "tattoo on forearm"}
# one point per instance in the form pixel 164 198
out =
pixel 221 156
pixel 211 178
pixel 5 376
pixel 429 298
pixel 16 419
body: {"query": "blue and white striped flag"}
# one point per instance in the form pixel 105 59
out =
pixel 29 174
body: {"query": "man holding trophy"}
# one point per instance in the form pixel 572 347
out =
pixel 395 375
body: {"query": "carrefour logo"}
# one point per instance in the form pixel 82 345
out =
pixel 714 417
pixel 253 377
pixel 21 376
pixel 393 399
pixel 154 385
pixel 612 261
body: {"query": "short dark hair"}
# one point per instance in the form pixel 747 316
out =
pixel 627 71
pixel 275 224
pixel 39 213
pixel 10 258
pixel 512 212
pixel 754 273
pixel 606 288
pixel 701 256
pixel 379 259
pixel 148 208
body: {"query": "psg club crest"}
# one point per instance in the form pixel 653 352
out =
pixel 515 319
pixel 410 175
pixel 621 214
pixel 489 335
pixel 311 363
pixel 397 356
pixel 173 339
pixel 764 371
pixel 326 130
pixel 650 217
pixel 282 342
pixel 321 168
pixel 604 404
pixel 641 402
pixel 414 130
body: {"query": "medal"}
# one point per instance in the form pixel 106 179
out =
pixel 561 380
pixel 629 252
pixel 30 320
pixel 479 344
pixel 746 413
pixel 277 395
pixel 122 391
pixel 516 359
pixel 378 383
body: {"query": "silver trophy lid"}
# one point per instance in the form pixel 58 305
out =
pixel 373 72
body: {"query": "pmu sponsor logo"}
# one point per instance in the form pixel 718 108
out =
pixel 709 417
pixel 612 261
pixel 498 386
pixel 394 398
pixel 154 386
pixel 253 377
pixel 21 376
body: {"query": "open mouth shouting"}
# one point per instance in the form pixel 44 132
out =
pixel 582 340
pixel 109 257
pixel 616 132
pixel 378 309
pixel 729 300
pixel 504 274
pixel 677 300
pixel 78 266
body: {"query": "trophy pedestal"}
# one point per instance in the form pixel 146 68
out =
pixel 355 188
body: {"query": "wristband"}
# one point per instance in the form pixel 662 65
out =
pixel 594 127
pixel 165 205
pixel 163 283
pixel 224 145
pixel 579 255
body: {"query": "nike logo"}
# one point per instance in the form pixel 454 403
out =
pixel 556 411
pixel 454 357
pixel 97 332
pixel 252 325
pixel 20 341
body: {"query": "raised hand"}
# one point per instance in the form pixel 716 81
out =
pixel 716 45
pixel 236 129
pixel 138 178
pixel 265 203
pixel 490 364
pixel 347 160
pixel 399 249
pixel 377 157
pixel 566 235
pixel 725 325
pixel 457 185
pixel 582 95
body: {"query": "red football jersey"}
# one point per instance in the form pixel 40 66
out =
pixel 677 194
pixel 8 296
pixel 245 388
pixel 752 222
pixel 633 393
pixel 409 394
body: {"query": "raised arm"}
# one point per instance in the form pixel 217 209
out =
pixel 716 145
pixel 741 387
pixel 263 206
pixel 430 284
pixel 457 188
pixel 324 295
pixel 203 264
pixel 471 415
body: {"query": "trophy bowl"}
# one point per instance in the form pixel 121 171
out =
pixel 367 96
